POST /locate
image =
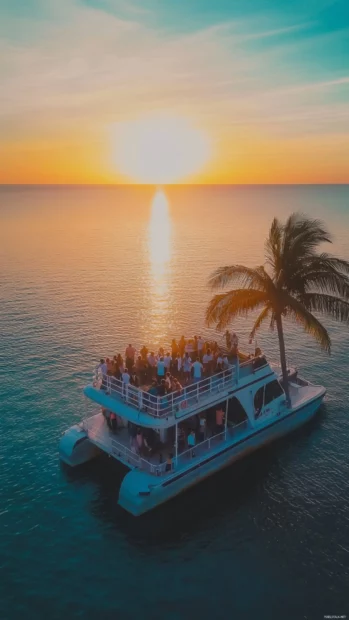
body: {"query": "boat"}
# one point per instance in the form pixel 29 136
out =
pixel 182 442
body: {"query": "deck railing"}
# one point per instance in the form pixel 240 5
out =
pixel 175 402
pixel 128 456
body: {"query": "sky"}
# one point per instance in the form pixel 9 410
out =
pixel 265 82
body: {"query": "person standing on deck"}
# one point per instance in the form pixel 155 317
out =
pixel 197 370
pixel 161 368
pixel 192 442
pixel 125 382
pixel 219 362
pixel 179 364
pixel 174 349
pixel 130 357
pixel 151 364
pixel 207 362
pixel 181 346
pixel 102 369
pixel 186 367
pixel 202 431
pixel 167 362
pixel 200 347
pixel 144 353
pixel 219 420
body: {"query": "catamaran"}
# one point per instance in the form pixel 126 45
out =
pixel 188 435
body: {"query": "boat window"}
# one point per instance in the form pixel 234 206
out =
pixel 236 412
pixel 259 399
pixel 272 390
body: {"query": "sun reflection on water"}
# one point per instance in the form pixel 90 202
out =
pixel 160 250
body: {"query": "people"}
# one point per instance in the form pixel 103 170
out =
pixel 174 349
pixel 186 367
pixel 225 362
pixel 139 441
pixel 167 362
pixel 102 369
pixel 168 466
pixel 152 364
pixel 207 362
pixel 179 364
pixel 219 420
pixel 113 422
pixel 125 381
pixel 202 428
pixel 192 442
pixel 168 380
pixel 197 370
pixel 134 377
pixel 200 344
pixel 181 346
pixel 160 368
pixel 144 352
pixel 162 389
pixel 219 362
pixel 130 357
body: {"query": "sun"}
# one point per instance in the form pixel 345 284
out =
pixel 159 149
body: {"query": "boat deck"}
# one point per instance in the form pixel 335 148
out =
pixel 193 396
pixel 118 445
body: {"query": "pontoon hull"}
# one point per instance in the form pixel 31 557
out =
pixel 139 493
pixel 75 447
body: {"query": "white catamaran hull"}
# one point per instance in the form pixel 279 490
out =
pixel 75 447
pixel 138 493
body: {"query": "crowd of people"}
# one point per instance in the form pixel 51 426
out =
pixel 145 442
pixel 166 371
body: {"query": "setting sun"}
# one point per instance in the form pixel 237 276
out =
pixel 159 149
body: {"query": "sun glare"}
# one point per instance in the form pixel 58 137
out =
pixel 159 149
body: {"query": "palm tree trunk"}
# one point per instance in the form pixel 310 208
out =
pixel 278 320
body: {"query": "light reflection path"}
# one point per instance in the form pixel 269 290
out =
pixel 160 254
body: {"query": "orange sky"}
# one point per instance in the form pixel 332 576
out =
pixel 247 85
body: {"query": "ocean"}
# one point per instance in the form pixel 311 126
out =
pixel 83 272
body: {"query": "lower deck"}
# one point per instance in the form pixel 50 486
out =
pixel 159 457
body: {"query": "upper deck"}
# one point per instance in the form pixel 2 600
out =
pixel 137 405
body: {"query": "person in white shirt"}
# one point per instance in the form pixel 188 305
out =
pixel 207 362
pixel 125 382
pixel 219 363
pixel 102 369
pixel 152 364
pixel 126 377
pixel 167 361
pixel 161 368
pixel 225 362
pixel 197 370
pixel 179 364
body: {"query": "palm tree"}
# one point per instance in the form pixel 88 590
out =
pixel 295 281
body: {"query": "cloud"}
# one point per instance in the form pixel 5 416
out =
pixel 80 69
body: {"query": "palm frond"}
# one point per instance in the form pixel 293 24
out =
pixel 330 305
pixel 260 319
pixel 311 325
pixel 238 275
pixel 302 234
pixel 273 245
pixel 223 308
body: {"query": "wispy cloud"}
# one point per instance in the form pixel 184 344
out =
pixel 82 68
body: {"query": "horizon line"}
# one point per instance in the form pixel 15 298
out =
pixel 161 185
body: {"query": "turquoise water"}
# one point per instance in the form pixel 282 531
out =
pixel 85 271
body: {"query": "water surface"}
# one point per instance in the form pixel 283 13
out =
pixel 84 272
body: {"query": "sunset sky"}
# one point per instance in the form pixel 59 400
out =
pixel 247 91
